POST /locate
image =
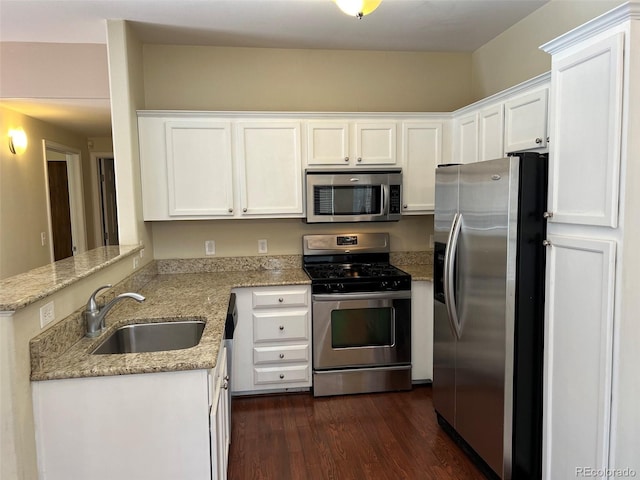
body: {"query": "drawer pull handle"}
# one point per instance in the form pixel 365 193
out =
pixel 281 327
pixel 281 300
pixel 281 376
pixel 282 355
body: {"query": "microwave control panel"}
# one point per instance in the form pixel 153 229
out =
pixel 395 202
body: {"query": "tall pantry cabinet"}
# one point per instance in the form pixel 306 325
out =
pixel 592 344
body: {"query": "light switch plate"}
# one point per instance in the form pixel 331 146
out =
pixel 262 246
pixel 210 247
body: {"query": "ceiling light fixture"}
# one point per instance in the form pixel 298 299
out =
pixel 17 141
pixel 357 8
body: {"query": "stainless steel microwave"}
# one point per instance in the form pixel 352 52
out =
pixel 353 196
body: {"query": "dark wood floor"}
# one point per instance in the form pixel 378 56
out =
pixel 371 436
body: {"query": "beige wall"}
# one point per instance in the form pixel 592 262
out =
pixel 225 78
pixel 284 237
pixel 23 202
pixel 513 56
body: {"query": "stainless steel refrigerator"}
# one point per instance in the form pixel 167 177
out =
pixel 489 262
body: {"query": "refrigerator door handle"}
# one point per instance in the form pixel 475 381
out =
pixel 449 277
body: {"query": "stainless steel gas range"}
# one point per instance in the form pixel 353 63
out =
pixel 361 314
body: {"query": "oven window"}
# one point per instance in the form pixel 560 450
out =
pixel 362 327
pixel 347 200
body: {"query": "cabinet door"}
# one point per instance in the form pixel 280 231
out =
pixel 491 132
pixel 376 143
pixel 421 153
pixel 270 168
pixel 526 122
pixel 199 168
pixel 585 149
pixel 219 419
pixel 578 354
pixel 328 143
pixel 466 139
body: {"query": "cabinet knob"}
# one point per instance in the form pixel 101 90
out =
pixel 281 299
pixel 346 159
pixel 282 355
pixel 538 141
pixel 244 209
pixel 547 214
pixel 231 210
pixel 546 243
pixel 547 139
pixel 359 159
pixel 226 378
pixel 281 376
pixel 404 206
pixel 281 327
pixel 225 385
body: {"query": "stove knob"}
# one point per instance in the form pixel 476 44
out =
pixel 340 287
pixel 384 284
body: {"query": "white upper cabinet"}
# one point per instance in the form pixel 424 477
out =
pixel 465 148
pixel 352 143
pixel 526 122
pixel 328 143
pixel 421 154
pixel 510 121
pixel 491 130
pixel 586 117
pixel 190 170
pixel 270 168
pixel 199 168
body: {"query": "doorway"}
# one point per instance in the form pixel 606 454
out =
pixel 67 230
pixel 108 205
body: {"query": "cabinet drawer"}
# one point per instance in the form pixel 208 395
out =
pixel 281 354
pixel 277 326
pixel 282 298
pixel 292 374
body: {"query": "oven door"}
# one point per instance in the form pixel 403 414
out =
pixel 361 329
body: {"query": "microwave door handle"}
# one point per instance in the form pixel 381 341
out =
pixel 385 199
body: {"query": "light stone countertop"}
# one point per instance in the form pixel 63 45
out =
pixel 168 297
pixel 176 294
pixel 24 289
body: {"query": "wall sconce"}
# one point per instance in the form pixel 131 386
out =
pixel 357 8
pixel 17 141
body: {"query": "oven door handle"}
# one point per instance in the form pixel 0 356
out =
pixel 332 297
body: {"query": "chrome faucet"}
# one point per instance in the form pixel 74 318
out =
pixel 94 314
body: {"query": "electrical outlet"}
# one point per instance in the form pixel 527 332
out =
pixel 136 262
pixel 430 241
pixel 210 247
pixel 43 238
pixel 142 253
pixel 47 314
pixel 262 246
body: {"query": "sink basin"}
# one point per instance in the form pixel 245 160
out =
pixel 152 337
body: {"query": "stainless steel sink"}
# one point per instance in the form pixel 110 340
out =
pixel 152 337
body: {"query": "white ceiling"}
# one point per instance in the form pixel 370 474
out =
pixel 404 25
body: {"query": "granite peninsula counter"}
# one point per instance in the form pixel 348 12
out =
pixel 168 297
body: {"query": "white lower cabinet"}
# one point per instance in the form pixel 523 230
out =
pixel 421 331
pixel 152 426
pixel 579 342
pixel 272 341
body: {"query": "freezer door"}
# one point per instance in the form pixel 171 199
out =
pixel 444 343
pixel 485 279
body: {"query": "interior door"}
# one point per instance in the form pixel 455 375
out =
pixel 481 306
pixel 108 201
pixel 62 238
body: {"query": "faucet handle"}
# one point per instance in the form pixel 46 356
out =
pixel 92 305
